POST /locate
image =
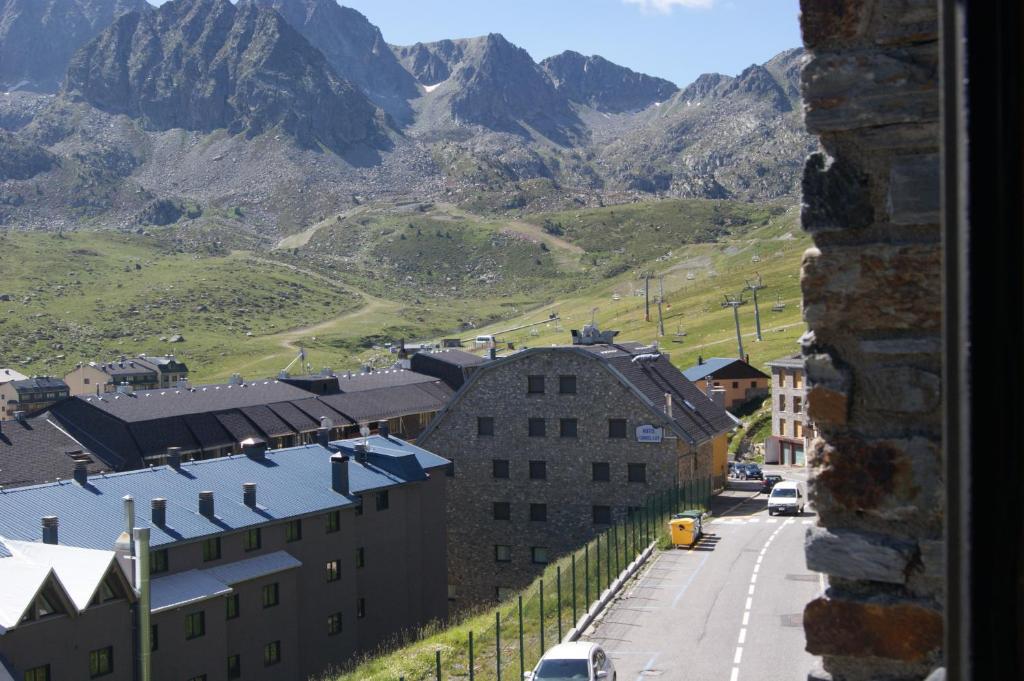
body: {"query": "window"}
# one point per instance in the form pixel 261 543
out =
pixel 538 470
pixel 109 591
pixel 538 428
pixel 157 561
pixel 753 384
pixel 360 557
pixel 602 515
pixel 333 570
pixel 211 549
pixel 334 624
pixel 535 384
pixel 85 381
pixel 502 553
pixel 782 427
pixel 195 624
pixel 485 425
pixel 271 653
pixel 502 510
pixel 567 385
pixel 539 513
pixel 154 638
pixel 333 521
pixel 601 471
pixel 798 429
pixel 500 468
pixel 636 472
pixel 359 505
pixel 231 607
pixel 735 384
pixel 234 667
pixel 270 595
pixel 101 662
pixel 617 428
pixel 449 470
pixel 383 502
pixel 361 608
pixel 782 379
pixel 38 673
pixel 252 540
pixel 567 427
pixel 293 530
pixel 797 404
pixel 798 380
pixel 782 403
pixel 539 555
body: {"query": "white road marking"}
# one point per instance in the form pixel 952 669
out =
pixel 735 674
pixel 753 578
pixel 743 636
pixel 749 601
pixel 772 521
pixel 750 592
pixel 746 618
pixel 647 667
pixel 757 568
pixel 739 655
pixel 689 581
pixel 806 522
pixel 754 520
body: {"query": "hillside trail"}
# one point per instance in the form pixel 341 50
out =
pixel 300 239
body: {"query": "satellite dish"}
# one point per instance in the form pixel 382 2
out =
pixel 364 430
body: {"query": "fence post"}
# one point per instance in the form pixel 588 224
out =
pixel 608 557
pixel 558 576
pixel 615 531
pixel 471 665
pixel 542 616
pixel 497 643
pixel 522 656
pixel 598 565
pixel 574 620
pixel 437 665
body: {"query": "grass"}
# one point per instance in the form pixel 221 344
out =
pixel 371 276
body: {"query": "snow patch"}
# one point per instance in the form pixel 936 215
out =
pixel 431 88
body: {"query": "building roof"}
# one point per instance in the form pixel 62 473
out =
pixel 192 586
pixel 392 401
pixel 38 450
pixel 380 379
pixel 291 482
pixel 8 375
pixel 723 367
pixel 454 356
pixel 40 383
pixel 128 367
pixel 791 362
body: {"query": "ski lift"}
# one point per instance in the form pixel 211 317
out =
pixel 779 306
pixel 679 334
pixel 756 258
pixel 616 296
pixel 690 276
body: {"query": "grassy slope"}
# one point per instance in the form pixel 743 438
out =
pixel 356 284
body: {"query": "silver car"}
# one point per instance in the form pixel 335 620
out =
pixel 579 661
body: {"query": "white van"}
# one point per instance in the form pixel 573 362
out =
pixel 483 341
pixel 788 496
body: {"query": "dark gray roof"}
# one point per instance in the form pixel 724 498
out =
pixel 40 383
pixel 791 362
pixel 454 356
pixel 381 379
pixel 38 451
pixel 391 402
pixel 145 405
pixel 129 367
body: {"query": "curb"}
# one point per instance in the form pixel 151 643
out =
pixel 608 594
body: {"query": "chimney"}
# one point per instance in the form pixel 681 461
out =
pixel 174 458
pixel 746 358
pixel 129 520
pixel 50 524
pixel 249 494
pixel 339 473
pixel 700 359
pixel 206 503
pixel 141 583
pixel 255 449
pixel 19 416
pixel 159 511
pixel 384 430
pixel 492 353
pixel 323 436
pixel 361 450
pixel 81 475
pixel 668 405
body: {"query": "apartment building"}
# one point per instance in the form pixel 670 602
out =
pixel 267 565
pixel 792 430
pixel 551 445
pixel 740 381
pixel 139 373
pixel 31 395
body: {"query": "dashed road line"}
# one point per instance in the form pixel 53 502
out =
pixel 647 667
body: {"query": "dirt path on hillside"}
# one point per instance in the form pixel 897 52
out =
pixel 302 238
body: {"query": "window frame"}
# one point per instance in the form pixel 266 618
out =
pixel 605 466
pixel 569 424
pixel 268 589
pixel 540 465
pixel 383 500
pixel 538 513
pixel 293 530
pixel 332 522
pixel 272 653
pixel 500 550
pixel 334 624
pixel 332 570
pixel 636 467
pixel 602 508
pixel 567 381
pixel 613 432
pixel 360 557
pixel 211 549
pixel 192 631
pixel 237 668
pixel 361 608
pixel 247 539
pixel 506 506
pixel 232 607
pixel 532 382
pixel 483 425
pixel 33 674
pixel 497 464
pixel 537 426
pixel 533 555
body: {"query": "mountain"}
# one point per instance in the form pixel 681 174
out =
pixel 597 82
pixel 493 84
pixel 430 63
pixel 355 49
pixel 720 137
pixel 208 64
pixel 38 37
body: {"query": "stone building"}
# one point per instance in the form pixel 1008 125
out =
pixel 739 381
pixel 270 565
pixel 551 445
pixel 792 431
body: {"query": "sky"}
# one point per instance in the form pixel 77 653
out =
pixel 673 39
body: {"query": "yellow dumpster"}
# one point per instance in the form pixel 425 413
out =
pixel 683 531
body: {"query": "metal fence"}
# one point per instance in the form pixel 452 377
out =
pixel 540 616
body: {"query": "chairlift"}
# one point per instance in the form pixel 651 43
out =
pixel 679 334
pixel 616 296
pixel 756 258
pixel 690 276
pixel 779 306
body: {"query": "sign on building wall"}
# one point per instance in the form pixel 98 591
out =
pixel 648 433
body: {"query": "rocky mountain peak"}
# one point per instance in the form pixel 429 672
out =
pixel 603 85
pixel 758 81
pixel 208 64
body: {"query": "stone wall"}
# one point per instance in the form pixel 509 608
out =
pixel 568 491
pixel 871 288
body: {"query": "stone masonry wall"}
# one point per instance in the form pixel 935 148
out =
pixel 872 287
pixel 569 490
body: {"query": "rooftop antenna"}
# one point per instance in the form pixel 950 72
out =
pixel 734 302
pixel 755 286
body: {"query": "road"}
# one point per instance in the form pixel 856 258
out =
pixel 729 609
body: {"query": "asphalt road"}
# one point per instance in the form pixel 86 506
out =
pixel 729 609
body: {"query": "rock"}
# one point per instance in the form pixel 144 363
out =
pixel 176 339
pixel 899 631
pixel 862 556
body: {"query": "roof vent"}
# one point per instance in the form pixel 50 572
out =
pixel 125 389
pixel 81 473
pixel 339 473
pixel 668 405
pixel 159 511
pixel 50 524
pixel 249 494
pixel 384 430
pixel 254 448
pixel 236 379
pixel 206 503
pixel 174 457
pixel 19 416
pixel 323 435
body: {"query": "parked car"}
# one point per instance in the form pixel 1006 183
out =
pixel 750 471
pixel 788 496
pixel 579 661
pixel 733 467
pixel 769 482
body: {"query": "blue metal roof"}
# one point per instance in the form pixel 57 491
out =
pixel 710 366
pixel 289 483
